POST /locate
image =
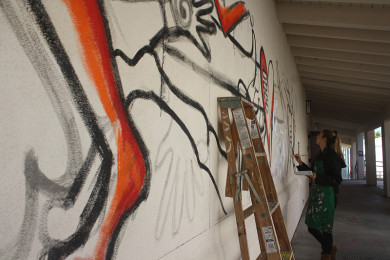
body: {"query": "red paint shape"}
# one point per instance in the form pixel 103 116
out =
pixel 266 93
pixel 230 16
pixel 96 55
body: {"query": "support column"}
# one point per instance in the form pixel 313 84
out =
pixel 370 158
pixel 353 161
pixel 360 158
pixel 386 156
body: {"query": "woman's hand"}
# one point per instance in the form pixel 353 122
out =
pixel 298 158
pixel 313 177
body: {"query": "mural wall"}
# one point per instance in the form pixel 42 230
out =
pixel 110 130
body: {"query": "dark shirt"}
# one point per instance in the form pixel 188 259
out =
pixel 332 167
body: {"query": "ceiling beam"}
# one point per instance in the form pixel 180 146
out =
pixel 337 32
pixel 334 123
pixel 346 73
pixel 363 17
pixel 344 79
pixel 348 95
pixel 359 116
pixel 331 96
pixel 349 87
pixel 341 55
pixel 378 48
pixel 343 65
pixel 344 106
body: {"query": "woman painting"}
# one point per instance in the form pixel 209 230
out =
pixel 321 204
pixel 339 179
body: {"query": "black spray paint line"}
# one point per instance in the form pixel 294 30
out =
pixel 21 246
pixel 63 249
pixel 215 78
pixel 24 28
pixel 175 90
pixel 164 106
pixel 54 86
pixel 206 27
pixel 165 25
pixel 219 80
pixel 99 194
pixel 182 13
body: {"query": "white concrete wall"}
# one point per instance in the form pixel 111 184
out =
pixel 63 115
pixel 386 156
pixel 360 158
pixel 370 158
pixel 353 160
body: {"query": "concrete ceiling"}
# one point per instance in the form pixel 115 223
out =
pixel 342 52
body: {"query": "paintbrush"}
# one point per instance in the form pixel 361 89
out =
pixel 299 155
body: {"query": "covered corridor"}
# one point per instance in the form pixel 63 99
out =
pixel 362 225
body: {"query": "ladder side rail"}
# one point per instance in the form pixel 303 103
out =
pixel 261 157
pixel 230 142
pixel 281 232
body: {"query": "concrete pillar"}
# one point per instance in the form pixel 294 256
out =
pixel 360 157
pixel 353 161
pixel 370 158
pixel 386 156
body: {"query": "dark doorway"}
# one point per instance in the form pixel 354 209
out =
pixel 314 148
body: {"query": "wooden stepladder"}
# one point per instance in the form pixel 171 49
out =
pixel 242 137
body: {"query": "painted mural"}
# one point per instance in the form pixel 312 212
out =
pixel 121 93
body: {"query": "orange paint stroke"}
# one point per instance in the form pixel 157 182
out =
pixel 96 56
pixel 230 15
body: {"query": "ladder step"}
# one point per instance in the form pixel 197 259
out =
pixel 272 206
pixel 286 255
pixel 249 211
pixel 260 154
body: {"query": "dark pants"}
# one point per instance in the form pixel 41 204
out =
pixel 325 239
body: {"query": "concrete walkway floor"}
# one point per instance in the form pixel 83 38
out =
pixel 361 228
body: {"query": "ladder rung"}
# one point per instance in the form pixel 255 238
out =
pixel 260 154
pixel 286 255
pixel 249 211
pixel 272 206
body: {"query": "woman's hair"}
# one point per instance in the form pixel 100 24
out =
pixel 330 137
pixel 337 147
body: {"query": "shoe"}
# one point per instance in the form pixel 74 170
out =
pixel 326 256
pixel 334 251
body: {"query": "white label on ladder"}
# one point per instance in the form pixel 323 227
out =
pixel 253 129
pixel 269 240
pixel 241 128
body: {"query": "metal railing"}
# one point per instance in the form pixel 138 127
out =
pixel 379 170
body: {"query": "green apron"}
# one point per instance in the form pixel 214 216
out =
pixel 320 209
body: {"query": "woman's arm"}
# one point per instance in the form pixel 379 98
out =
pixel 302 166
